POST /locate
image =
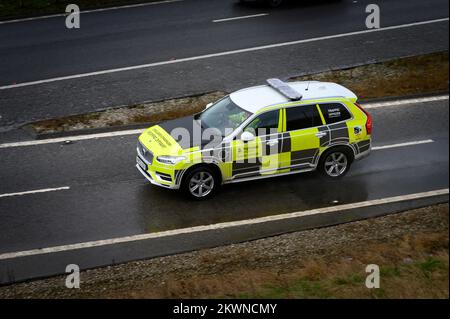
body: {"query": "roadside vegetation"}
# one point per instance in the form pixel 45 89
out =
pixel 12 9
pixel 412 266
pixel 425 74
pixel 415 276
pixel 411 249
pixel 145 113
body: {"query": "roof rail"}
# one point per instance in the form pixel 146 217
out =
pixel 285 89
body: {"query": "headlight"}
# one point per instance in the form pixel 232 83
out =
pixel 172 160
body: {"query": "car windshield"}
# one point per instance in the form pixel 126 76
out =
pixel 224 115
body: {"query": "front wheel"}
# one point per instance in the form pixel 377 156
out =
pixel 335 163
pixel 201 183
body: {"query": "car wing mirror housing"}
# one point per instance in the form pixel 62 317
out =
pixel 247 136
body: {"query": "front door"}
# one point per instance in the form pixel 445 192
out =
pixel 260 156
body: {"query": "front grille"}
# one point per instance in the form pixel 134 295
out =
pixel 145 153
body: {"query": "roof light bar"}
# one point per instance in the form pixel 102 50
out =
pixel 285 89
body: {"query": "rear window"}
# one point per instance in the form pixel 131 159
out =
pixel 301 117
pixel 334 112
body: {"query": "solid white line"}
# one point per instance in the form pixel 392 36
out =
pixel 406 101
pixel 219 54
pixel 139 131
pixel 241 17
pixel 225 225
pixel 32 18
pixel 89 11
pixel 71 138
pixel 130 6
pixel 376 148
pixel 36 191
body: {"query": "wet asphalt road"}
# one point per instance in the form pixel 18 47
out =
pixel 108 198
pixel 44 49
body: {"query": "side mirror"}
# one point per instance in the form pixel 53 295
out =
pixel 208 105
pixel 247 136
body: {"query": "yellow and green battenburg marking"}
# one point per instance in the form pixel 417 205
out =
pixel 294 150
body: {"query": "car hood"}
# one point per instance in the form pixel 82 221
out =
pixel 177 136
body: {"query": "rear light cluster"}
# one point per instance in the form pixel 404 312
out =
pixel 368 121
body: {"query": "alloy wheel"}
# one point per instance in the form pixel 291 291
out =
pixel 201 184
pixel 336 164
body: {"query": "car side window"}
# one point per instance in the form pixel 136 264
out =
pixel 264 124
pixel 301 117
pixel 334 112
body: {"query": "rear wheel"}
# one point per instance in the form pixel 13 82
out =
pixel 200 183
pixel 336 162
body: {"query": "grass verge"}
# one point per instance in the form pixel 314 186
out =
pixel 421 74
pixel 400 77
pixel 13 9
pixel 418 277
pixel 136 114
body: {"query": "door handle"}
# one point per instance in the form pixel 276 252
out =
pixel 272 142
pixel 321 134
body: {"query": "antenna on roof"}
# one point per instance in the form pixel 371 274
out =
pixel 307 87
pixel 285 89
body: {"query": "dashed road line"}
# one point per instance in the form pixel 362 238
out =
pixel 246 222
pixel 241 17
pixel 36 191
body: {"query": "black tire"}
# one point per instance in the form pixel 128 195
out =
pixel 335 162
pixel 200 183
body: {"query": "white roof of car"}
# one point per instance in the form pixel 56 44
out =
pixel 255 98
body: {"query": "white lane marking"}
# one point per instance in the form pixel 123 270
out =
pixel 72 138
pixel 225 225
pixel 241 17
pixel 383 147
pixel 45 190
pixel 139 131
pixel 36 191
pixel 90 11
pixel 219 54
pixel 406 101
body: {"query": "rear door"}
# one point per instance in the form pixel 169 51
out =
pixel 337 117
pixel 304 128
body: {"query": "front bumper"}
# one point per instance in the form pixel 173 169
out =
pixel 151 179
pixel 155 172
